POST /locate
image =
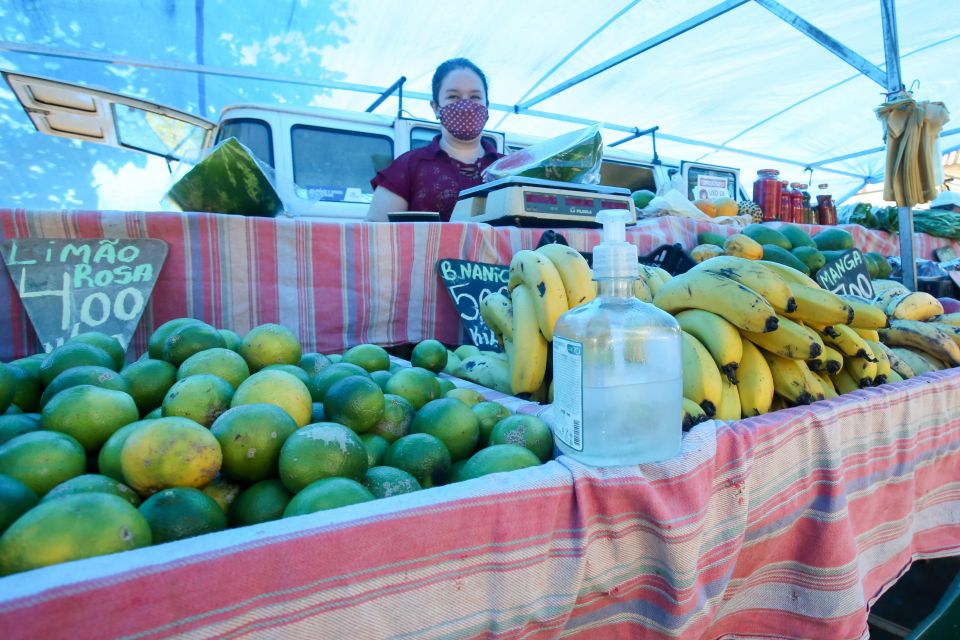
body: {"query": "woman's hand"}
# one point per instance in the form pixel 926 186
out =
pixel 384 202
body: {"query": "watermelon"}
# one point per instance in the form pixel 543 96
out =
pixel 228 180
pixel 572 157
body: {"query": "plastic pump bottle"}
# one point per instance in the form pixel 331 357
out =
pixel 618 388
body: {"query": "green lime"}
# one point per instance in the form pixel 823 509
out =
pixel 72 354
pixel 16 499
pixel 108 461
pixel 327 493
pixel 464 351
pixel 418 386
pixel 169 452
pixel 498 458
pixel 149 381
pixel 445 386
pixel 190 339
pixel 489 414
pixel 201 398
pixel 160 335
pixel 313 363
pixel 384 482
pixel 316 413
pixel 223 492
pixel 376 447
pixel 292 369
pixel 182 512
pixel 326 377
pixel 277 388
pixel 526 431
pixel 456 470
pixel 429 354
pixel 27 389
pixel 368 356
pixel 334 358
pixel 86 374
pixel 421 455
pixel 469 397
pixel 93 483
pixel 270 344
pixel 218 361
pixel 355 402
pixel 397 415
pixel 231 338
pixel 89 414
pixel 321 450
pixel 260 502
pixel 452 422
pixel 108 343
pixel 381 377
pixel 15 425
pixel 251 437
pixel 42 459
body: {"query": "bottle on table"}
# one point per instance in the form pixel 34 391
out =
pixel 766 193
pixel 618 388
pixel 796 203
pixel 807 215
pixel 826 209
pixel 786 202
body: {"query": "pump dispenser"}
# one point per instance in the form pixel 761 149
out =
pixel 618 389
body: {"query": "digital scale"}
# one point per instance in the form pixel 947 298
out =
pixel 532 202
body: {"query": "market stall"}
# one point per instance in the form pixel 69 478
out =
pixel 786 525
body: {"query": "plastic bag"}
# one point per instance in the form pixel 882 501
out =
pixel 572 157
pixel 671 201
pixel 229 179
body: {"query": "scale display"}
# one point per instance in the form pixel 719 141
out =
pixel 579 205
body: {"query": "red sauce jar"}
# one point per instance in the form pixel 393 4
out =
pixel 796 203
pixel 786 202
pixel 766 193
pixel 826 209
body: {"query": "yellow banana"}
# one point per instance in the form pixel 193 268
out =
pixel 527 352
pixel 821 329
pixel 791 275
pixel 574 272
pixel 867 334
pixel 642 290
pixel 882 299
pixel 881 286
pixel 537 272
pixel 948 318
pixel 654 277
pixel 949 329
pixel 865 314
pixel 893 376
pixel 749 273
pixel 729 408
pixel 934 363
pixel 832 359
pixel 826 383
pixel 741 306
pixel 847 342
pixel 779 402
pixel 813 381
pixel 820 306
pixel 789 339
pixel 897 364
pixel 701 377
pixel 883 362
pixel 489 372
pixel 755 382
pixel 497 311
pixel 916 305
pixel 843 382
pixel 923 336
pixel 860 370
pixel 918 365
pixel 692 414
pixel 789 378
pixel 720 338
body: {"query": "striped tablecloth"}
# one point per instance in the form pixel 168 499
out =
pixel 784 526
pixel 334 284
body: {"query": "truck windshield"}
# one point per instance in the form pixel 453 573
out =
pixel 337 165
pixel 252 133
pixel 158 133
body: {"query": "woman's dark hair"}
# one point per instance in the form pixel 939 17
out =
pixel 452 65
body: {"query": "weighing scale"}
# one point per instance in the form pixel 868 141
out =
pixel 532 202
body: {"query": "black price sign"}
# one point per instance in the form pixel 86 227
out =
pixel 73 286
pixel 847 275
pixel 468 284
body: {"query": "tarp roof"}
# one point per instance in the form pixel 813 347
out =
pixel 745 81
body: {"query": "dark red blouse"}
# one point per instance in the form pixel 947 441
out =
pixel 430 180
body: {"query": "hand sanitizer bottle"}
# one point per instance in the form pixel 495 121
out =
pixel 618 388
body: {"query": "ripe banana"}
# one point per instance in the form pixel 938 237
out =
pixel 949 329
pixel 701 378
pixel 826 383
pixel 935 364
pixel 642 290
pixel 574 272
pixel 779 402
pixel 549 297
pixel 843 382
pixel 656 277
pixel 867 334
pixel 893 376
pixel 847 341
pixel 949 318
pixel 883 362
pixel 916 305
pixel 923 336
pixel 865 314
pixel 790 380
pixel 692 414
pixel 767 283
pixel 729 408
pixel 897 364
pixel 882 299
pixel 497 311
pixel 820 306
pixel 720 338
pixel 860 370
pixel 489 372
pixel 789 339
pixel 918 365
pixel 813 380
pixel 791 275
pixel 741 306
pixel 527 352
pixel 755 385
pixel 832 359
pixel 881 286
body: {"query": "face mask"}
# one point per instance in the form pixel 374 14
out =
pixel 464 119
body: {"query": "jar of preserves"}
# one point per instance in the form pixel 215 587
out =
pixel 796 203
pixel 786 204
pixel 826 209
pixel 766 193
pixel 807 215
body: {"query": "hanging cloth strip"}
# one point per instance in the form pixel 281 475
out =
pixel 911 130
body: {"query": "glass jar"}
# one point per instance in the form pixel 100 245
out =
pixel 766 193
pixel 796 203
pixel 826 209
pixel 786 202
pixel 807 214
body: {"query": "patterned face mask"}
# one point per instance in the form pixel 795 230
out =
pixel 464 119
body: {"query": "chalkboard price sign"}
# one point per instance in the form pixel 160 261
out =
pixel 847 275
pixel 73 286
pixel 468 284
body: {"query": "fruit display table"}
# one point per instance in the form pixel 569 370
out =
pixel 785 525
pixel 333 284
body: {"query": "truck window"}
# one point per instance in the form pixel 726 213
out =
pixel 157 133
pixel 422 136
pixel 252 133
pixel 627 176
pixel 337 165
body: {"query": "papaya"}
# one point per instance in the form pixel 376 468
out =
pixel 832 254
pixel 708 237
pixel 797 236
pixel 775 253
pixel 810 257
pixel 767 235
pixel 833 239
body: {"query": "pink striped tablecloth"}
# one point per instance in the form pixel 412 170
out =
pixel 334 284
pixel 785 526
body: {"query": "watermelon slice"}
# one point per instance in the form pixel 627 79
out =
pixel 572 157
pixel 228 180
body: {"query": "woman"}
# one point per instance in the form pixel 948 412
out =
pixel 431 178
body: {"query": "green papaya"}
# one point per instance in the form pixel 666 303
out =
pixel 797 236
pixel 767 235
pixel 831 255
pixel 883 267
pixel 708 237
pixel 833 239
pixel 872 261
pixel 810 257
pixel 775 253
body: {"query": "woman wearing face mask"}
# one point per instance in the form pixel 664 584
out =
pixel 430 178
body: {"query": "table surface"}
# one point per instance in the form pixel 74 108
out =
pixel 783 526
pixel 334 284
